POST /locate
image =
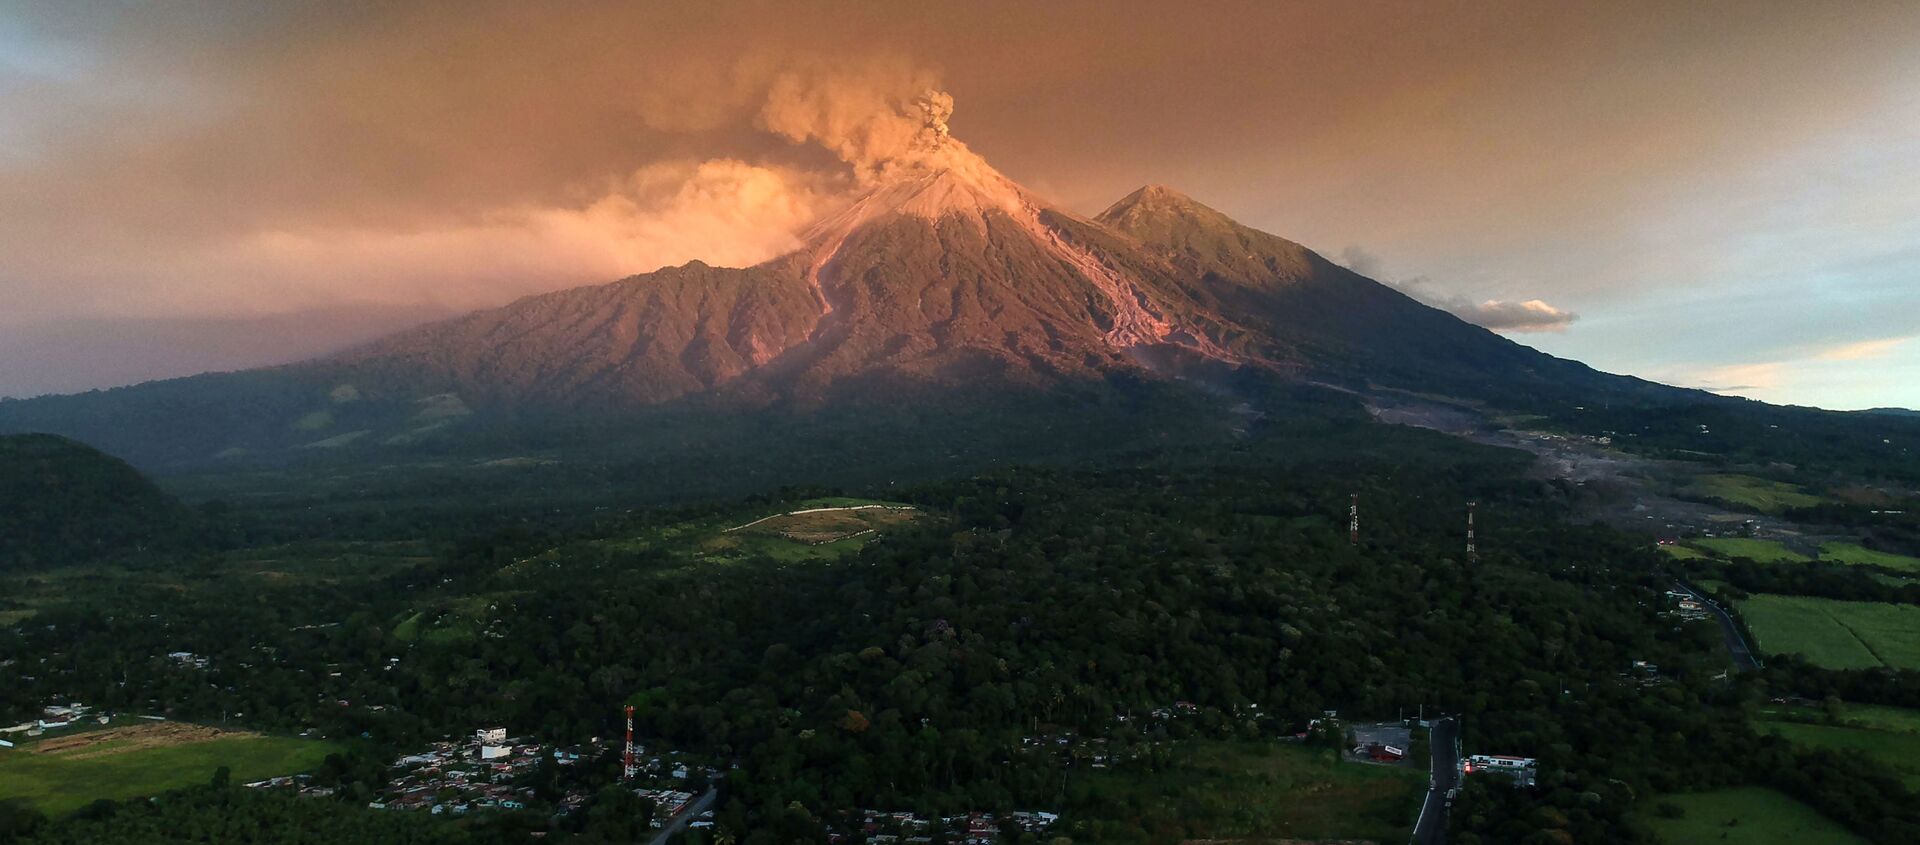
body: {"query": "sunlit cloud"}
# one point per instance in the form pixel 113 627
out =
pixel 1825 375
pixel 1532 315
pixel 1862 350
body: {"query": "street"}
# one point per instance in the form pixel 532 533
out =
pixel 1743 659
pixel 693 811
pixel 1444 741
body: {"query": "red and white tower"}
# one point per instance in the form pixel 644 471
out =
pixel 1473 553
pixel 629 767
pixel 1353 520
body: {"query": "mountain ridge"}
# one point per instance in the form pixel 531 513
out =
pixel 943 275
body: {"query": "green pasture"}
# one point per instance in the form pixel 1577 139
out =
pixel 1835 634
pixel 59 783
pixel 1750 815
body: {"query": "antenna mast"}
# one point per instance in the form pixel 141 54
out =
pixel 628 767
pixel 1353 520
pixel 1473 552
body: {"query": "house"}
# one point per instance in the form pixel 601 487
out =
pixel 490 736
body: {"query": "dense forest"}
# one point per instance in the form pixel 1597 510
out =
pixel 1030 600
pixel 63 502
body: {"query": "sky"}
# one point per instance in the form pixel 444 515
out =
pixel 1717 195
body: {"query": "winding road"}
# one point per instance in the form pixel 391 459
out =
pixel 1743 657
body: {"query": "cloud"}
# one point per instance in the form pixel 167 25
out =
pixel 1500 315
pixel 1826 375
pixel 722 211
pixel 1740 378
pixel 1532 315
pixel 1862 350
pixel 379 246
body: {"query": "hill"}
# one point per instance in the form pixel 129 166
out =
pixel 64 502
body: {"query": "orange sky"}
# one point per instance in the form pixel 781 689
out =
pixel 1727 194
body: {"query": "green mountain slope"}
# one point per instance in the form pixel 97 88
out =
pixel 63 502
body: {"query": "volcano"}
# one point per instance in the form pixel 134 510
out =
pixel 945 271
pixel 942 276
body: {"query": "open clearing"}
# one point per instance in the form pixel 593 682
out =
pixel 820 529
pixel 1835 634
pixel 1764 551
pixel 63 774
pixel 817 526
pixel 1746 816
pixel 1247 791
pixel 1746 491
pixel 813 531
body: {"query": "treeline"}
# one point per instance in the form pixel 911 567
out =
pixel 1846 582
pixel 1028 600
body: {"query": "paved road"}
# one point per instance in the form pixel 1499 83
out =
pixel 1444 739
pixel 1743 659
pixel 700 805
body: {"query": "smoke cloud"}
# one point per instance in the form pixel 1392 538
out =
pixel 869 114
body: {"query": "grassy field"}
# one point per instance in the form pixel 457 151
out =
pixel 1764 551
pixel 1836 634
pixel 1881 717
pixel 1746 816
pixel 1889 735
pixel 63 774
pixel 1247 790
pixel 1746 491
pixel 783 536
pixel 818 527
pixel 1857 554
pixel 1684 552
pixel 1899 751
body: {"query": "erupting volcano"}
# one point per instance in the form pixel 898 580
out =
pixel 940 272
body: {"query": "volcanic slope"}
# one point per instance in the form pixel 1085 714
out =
pixel 944 275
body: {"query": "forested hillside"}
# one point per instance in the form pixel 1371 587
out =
pixel 63 502
pixel 1075 601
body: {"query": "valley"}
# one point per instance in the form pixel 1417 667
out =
pixel 817 645
pixel 963 518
